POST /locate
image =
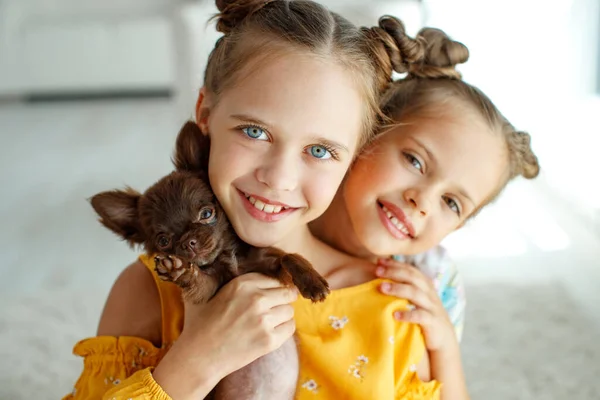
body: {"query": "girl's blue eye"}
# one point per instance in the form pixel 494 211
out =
pixel 413 161
pixel 254 132
pixel 320 152
pixel 452 205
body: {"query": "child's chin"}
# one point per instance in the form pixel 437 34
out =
pixel 263 240
pixel 403 247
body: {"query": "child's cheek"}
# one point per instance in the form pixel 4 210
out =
pixel 321 189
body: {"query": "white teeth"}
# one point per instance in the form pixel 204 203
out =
pixel 268 208
pixel 259 205
pixel 395 221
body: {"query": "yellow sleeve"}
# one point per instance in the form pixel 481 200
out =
pixel 117 368
pixel 139 386
pixel 416 389
pixel 410 350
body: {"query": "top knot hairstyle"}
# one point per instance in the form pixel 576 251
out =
pixel 255 30
pixel 432 82
pixel 432 54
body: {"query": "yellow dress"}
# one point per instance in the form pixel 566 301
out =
pixel 350 348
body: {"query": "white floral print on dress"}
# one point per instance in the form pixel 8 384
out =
pixel 311 386
pixel 357 369
pixel 338 323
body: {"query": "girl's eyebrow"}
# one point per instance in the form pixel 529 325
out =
pixel 464 194
pixel 425 149
pixel 247 118
pixel 321 140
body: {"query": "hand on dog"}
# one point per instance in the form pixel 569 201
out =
pixel 248 318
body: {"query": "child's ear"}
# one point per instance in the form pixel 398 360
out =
pixel 191 149
pixel 203 110
pixel 118 211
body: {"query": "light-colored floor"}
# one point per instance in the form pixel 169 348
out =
pixel 532 269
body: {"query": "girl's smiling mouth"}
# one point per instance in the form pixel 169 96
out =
pixel 395 221
pixel 264 209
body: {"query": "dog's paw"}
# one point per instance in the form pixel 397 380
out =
pixel 314 288
pixel 170 268
pixel 308 281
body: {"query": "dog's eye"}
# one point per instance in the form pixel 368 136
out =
pixel 163 241
pixel 207 215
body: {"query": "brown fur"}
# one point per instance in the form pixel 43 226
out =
pixel 180 221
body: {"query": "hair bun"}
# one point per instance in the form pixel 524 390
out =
pixel 442 55
pixel 402 49
pixel 527 161
pixel 233 12
pixel 391 49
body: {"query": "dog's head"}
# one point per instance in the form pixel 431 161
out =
pixel 179 215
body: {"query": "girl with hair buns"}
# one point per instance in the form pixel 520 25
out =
pixel 445 153
pixel 290 94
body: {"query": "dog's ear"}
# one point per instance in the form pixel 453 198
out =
pixel 118 211
pixel 191 149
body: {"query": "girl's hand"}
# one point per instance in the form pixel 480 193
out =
pixel 429 312
pixel 248 318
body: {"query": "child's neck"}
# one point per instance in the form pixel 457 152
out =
pixel 335 228
pixel 302 242
pixel 340 269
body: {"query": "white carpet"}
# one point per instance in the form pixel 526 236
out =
pixel 529 342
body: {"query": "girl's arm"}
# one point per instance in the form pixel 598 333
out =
pixel 446 367
pixel 440 337
pixel 248 318
pixel 128 342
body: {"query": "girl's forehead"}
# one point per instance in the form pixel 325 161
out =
pixel 298 93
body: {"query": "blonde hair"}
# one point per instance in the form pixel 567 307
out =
pixel 256 29
pixel 429 61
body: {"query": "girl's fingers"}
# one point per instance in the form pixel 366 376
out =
pixel 283 332
pixel 280 296
pixel 403 273
pixel 409 292
pixel 280 315
pixel 259 280
pixel 417 316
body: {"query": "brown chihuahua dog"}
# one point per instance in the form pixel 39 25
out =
pixel 180 221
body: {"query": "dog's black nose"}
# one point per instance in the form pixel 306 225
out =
pixel 190 245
